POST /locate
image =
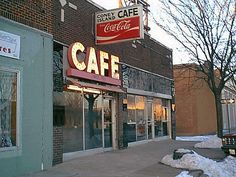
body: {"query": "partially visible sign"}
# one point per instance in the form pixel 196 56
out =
pixel 9 45
pixel 119 25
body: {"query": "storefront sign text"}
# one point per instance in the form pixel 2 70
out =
pixel 9 45
pixel 97 65
pixel 119 25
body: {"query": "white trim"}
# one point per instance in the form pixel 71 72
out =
pixel 136 143
pixel 83 113
pixel 113 119
pixel 62 15
pixel 73 155
pixel 147 93
pixel 161 138
pixel 72 6
pixel 103 133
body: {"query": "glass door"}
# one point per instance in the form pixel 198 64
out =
pixel 150 127
pixel 108 125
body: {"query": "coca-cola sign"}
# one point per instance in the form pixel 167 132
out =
pixel 119 25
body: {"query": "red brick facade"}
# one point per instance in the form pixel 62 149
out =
pixel 78 25
pixel 33 13
pixel 195 107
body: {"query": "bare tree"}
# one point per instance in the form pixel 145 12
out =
pixel 206 29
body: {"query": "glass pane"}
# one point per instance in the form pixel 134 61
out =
pixel 107 123
pixel 93 121
pixel 131 132
pixel 157 110
pixel 131 108
pixel 73 121
pixel 140 118
pixel 149 114
pixel 8 96
pixel 131 127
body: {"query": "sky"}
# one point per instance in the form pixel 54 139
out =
pixel 156 32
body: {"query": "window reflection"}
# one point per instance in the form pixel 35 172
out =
pixel 160 112
pixel 73 126
pixel 141 115
pixel 140 118
pixel 136 129
pixel 93 121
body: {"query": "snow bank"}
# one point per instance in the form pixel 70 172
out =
pixel 184 174
pixel 211 142
pixel 226 168
pixel 194 138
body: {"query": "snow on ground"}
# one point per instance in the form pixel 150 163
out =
pixel 226 168
pixel 194 138
pixel 184 174
pixel 211 142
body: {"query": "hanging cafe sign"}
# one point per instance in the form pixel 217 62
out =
pixel 119 25
pixel 95 65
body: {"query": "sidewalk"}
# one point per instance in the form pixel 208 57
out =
pixel 137 161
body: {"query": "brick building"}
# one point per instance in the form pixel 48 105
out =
pixel 87 114
pixel 195 106
pixel 139 113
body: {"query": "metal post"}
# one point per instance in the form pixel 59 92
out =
pixel 227 110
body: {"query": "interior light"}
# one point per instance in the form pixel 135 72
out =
pixel 89 90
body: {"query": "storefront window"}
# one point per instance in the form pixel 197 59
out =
pixel 149 121
pixel 160 110
pixel 146 119
pixel 93 121
pixel 140 118
pixel 73 123
pixel 131 125
pixel 137 121
pixel 8 108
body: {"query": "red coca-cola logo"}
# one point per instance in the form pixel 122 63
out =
pixel 122 25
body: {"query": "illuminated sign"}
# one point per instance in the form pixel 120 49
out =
pixel 9 45
pixel 119 25
pixel 98 66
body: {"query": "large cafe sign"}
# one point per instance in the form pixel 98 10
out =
pixel 119 25
pixel 95 65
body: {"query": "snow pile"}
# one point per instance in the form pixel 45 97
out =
pixel 184 174
pixel 226 168
pixel 183 150
pixel 211 142
pixel 194 138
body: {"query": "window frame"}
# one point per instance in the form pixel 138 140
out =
pixel 18 108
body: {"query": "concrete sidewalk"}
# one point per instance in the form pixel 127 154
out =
pixel 137 161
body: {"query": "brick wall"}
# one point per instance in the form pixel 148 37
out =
pixel 34 13
pixel 78 26
pixel 57 145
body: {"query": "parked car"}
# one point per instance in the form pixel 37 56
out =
pixel 229 144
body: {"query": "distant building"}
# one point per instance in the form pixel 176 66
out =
pixel 195 106
pixel 229 108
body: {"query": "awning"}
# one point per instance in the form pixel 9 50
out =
pixel 86 85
